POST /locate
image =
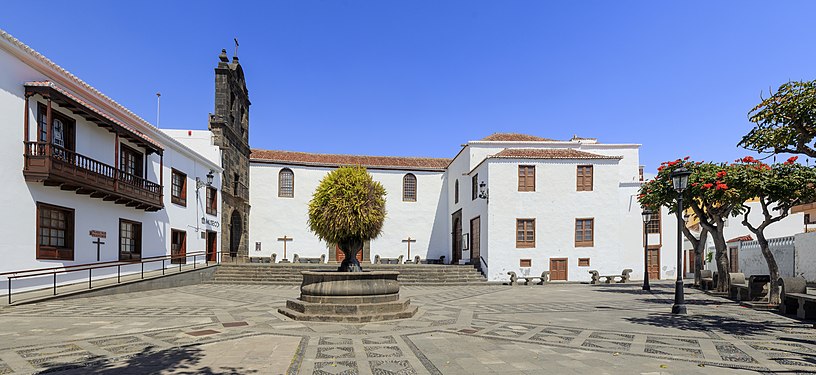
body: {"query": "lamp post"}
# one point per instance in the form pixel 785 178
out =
pixel 647 217
pixel 680 183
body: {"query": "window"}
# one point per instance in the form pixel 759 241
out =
pixel 525 262
pixel 584 232
pixel 212 201
pixel 584 180
pixel 474 187
pixel 130 162
pixel 178 247
pixel 55 232
pixel 130 240
pixel 409 188
pixel 525 232
pixel 526 178
pixel 456 192
pixel 583 262
pixel 286 183
pixel 178 188
pixel 63 130
pixel 653 226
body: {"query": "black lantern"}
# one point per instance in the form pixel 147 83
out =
pixel 647 217
pixel 483 190
pixel 680 182
pixel 210 178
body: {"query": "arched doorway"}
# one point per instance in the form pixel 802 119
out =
pixel 456 237
pixel 236 231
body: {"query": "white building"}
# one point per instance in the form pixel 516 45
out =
pixel 508 202
pixel 81 169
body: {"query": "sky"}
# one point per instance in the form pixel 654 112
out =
pixel 420 78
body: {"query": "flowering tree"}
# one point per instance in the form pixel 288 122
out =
pixel 778 187
pixel 708 196
pixel 785 122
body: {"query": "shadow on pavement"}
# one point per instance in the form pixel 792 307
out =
pixel 176 360
pixel 706 323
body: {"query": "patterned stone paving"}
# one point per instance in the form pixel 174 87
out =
pixel 460 329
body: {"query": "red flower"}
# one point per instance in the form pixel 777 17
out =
pixel 694 184
pixel 661 168
pixel 686 158
pixel 707 186
pixel 791 160
pixel 720 174
pixel 722 186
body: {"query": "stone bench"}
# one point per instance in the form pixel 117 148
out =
pixel 544 278
pixel 380 260
pixel 299 259
pixel 270 259
pixel 754 289
pixel 738 285
pixel 706 280
pixel 622 278
pixel 417 260
pixel 794 298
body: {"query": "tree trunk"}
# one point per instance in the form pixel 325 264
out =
pixel 350 248
pixel 773 268
pixel 699 256
pixel 721 257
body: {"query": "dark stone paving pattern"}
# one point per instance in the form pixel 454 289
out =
pixel 461 329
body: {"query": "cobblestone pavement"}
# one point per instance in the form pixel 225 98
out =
pixel 557 328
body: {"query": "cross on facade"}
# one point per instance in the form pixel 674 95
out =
pixel 409 240
pixel 98 242
pixel 285 239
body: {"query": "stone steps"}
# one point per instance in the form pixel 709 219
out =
pixel 289 274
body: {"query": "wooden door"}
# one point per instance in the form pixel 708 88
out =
pixel 733 259
pixel 690 264
pixel 340 256
pixel 653 263
pixel 211 246
pixel 475 243
pixel 558 269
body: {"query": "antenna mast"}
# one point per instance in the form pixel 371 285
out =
pixel 158 108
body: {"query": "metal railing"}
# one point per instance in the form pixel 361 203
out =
pixel 90 267
pixel 482 270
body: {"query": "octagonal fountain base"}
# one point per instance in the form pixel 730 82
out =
pixel 349 297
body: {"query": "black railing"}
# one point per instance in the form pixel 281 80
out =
pixel 482 270
pixel 93 266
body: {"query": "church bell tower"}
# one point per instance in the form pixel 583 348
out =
pixel 230 127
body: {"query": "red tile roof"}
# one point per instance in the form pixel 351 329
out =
pixel 515 137
pixel 335 160
pixel 746 237
pixel 531 153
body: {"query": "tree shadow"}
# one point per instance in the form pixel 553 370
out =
pixel 184 360
pixel 707 323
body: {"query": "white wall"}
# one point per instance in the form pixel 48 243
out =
pixel 18 234
pixel 273 217
pixel 806 256
pixel 752 262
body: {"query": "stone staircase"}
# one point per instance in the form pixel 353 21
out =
pixel 289 274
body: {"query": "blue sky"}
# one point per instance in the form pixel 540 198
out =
pixel 419 78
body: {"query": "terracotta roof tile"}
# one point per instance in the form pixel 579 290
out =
pixel 515 137
pixel 334 160
pixel 532 153
pixel 746 237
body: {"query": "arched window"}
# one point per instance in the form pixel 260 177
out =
pixel 456 192
pixel 286 183
pixel 409 188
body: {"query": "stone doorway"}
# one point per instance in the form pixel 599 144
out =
pixel 236 231
pixel 456 237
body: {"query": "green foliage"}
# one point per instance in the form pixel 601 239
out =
pixel 707 189
pixel 347 204
pixel 785 122
pixel 782 185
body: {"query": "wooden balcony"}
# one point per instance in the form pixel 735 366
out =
pixel 240 191
pixel 57 166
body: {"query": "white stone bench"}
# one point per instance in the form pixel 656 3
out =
pixel 544 278
pixel 380 260
pixel 320 260
pixel 622 278
pixel 794 297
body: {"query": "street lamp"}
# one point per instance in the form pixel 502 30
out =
pixel 680 182
pixel 200 184
pixel 647 217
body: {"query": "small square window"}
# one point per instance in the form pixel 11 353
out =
pixel 583 262
pixel 525 263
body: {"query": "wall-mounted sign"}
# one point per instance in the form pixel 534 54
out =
pixel 98 234
pixel 210 222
